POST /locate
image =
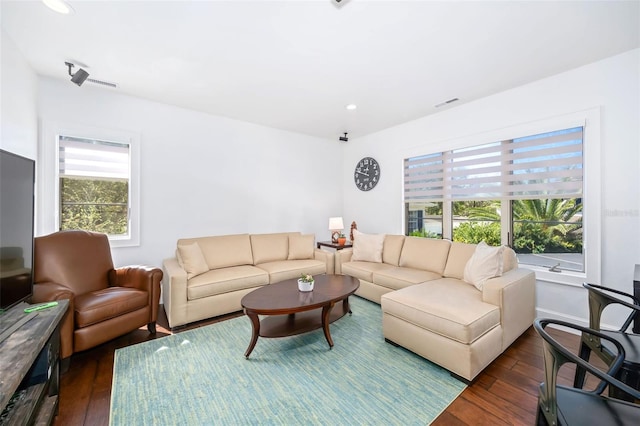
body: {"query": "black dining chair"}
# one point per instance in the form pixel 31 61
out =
pixel 565 405
pixel 599 298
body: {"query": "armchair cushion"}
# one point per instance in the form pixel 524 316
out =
pixel 101 305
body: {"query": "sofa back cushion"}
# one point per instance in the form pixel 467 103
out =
pixel 223 250
pixel 427 254
pixel 510 259
pixel 301 246
pixel 392 249
pixel 270 247
pixel 460 253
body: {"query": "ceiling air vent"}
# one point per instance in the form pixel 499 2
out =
pixel 450 101
pixel 104 83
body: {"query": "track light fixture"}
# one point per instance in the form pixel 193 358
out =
pixel 79 76
pixel 344 138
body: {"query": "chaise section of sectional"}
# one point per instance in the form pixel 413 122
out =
pixel 428 308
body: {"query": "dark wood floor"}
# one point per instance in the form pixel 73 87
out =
pixel 505 393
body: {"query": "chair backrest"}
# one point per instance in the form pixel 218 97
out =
pixel 78 260
pixel 600 297
pixel 555 355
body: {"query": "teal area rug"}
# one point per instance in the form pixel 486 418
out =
pixel 200 377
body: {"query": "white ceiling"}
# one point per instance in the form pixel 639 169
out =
pixel 296 64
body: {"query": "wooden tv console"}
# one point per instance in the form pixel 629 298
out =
pixel 30 366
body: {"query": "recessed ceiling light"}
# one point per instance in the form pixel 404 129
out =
pixel 59 6
pixel 351 107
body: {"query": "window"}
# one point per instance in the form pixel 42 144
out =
pixel 423 183
pixel 94 185
pixel 88 178
pixel 526 192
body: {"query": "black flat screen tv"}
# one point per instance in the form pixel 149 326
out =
pixel 17 187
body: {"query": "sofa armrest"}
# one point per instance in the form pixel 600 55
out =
pixel 174 292
pixel 326 257
pixel 342 256
pixel 515 294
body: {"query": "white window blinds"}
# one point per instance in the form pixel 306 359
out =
pixel 547 165
pixel 92 158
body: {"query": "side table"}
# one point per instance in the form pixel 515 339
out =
pixel 336 246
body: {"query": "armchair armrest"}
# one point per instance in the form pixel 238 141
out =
pixel 145 278
pixel 174 292
pixel 326 257
pixel 515 293
pixel 47 291
pixel 342 256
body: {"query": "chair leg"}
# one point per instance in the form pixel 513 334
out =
pixel 152 327
pixel 585 351
pixel 541 420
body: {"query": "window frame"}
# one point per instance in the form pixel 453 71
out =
pixel 590 120
pixel 49 186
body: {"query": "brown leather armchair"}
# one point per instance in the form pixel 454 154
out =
pixel 104 302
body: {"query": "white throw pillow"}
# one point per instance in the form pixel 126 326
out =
pixel 301 247
pixel 367 247
pixel 193 260
pixel 486 262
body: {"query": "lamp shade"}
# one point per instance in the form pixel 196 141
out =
pixel 335 223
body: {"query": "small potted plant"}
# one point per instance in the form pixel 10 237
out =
pixel 305 282
pixel 342 239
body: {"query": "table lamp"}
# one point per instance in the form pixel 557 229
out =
pixel 335 226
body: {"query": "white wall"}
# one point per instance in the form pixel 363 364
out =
pixel 206 175
pixel 613 85
pixel 18 112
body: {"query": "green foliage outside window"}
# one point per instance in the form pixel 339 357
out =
pixel 424 233
pixel 539 226
pixel 475 232
pixel 94 205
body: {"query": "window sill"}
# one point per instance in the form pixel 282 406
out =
pixel 117 242
pixel 570 278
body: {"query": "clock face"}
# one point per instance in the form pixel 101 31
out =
pixel 367 174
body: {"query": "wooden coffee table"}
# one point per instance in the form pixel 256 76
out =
pixel 289 311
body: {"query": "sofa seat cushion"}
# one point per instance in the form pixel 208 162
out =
pixel 397 277
pixel 101 305
pixel 448 307
pixel 364 270
pixel 225 280
pixel 287 269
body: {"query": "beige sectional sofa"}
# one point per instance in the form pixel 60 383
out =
pixel 429 309
pixel 210 275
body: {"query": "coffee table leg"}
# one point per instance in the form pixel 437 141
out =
pixel 346 307
pixel 255 327
pixel 326 310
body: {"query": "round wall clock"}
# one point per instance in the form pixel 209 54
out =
pixel 367 174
